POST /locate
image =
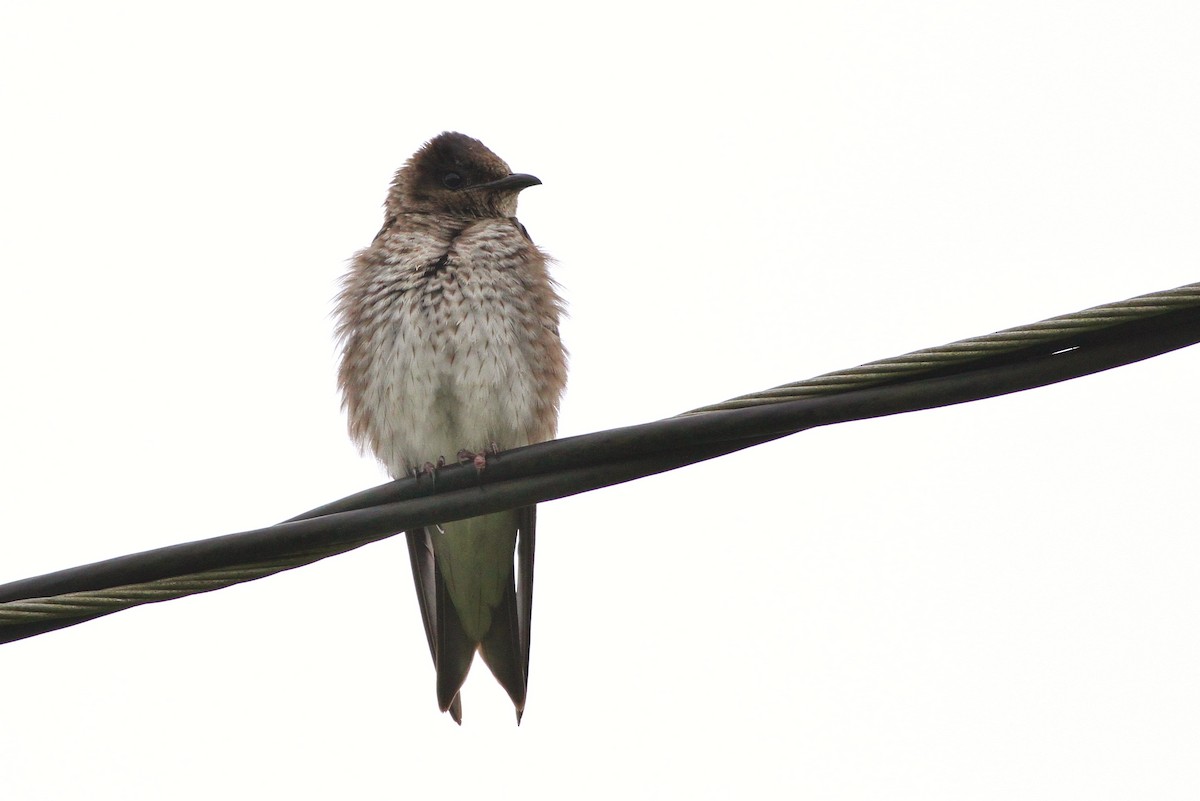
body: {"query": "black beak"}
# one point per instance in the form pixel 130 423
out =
pixel 511 183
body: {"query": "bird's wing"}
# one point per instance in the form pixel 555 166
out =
pixel 430 589
pixel 388 223
pixel 521 227
pixel 526 527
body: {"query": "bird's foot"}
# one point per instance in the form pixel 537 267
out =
pixel 477 459
pixel 430 469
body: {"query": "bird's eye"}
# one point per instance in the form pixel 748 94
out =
pixel 452 180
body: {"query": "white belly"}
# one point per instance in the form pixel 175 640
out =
pixel 448 381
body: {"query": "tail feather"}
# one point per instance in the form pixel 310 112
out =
pixel 501 649
pixel 526 526
pixel 504 648
pixel 455 651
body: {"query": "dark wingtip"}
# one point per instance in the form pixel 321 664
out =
pixel 455 710
pixel 520 712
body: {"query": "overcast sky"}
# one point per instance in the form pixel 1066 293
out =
pixel 997 600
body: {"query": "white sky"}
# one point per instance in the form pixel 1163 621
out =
pixel 997 600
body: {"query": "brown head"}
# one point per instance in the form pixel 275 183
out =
pixel 455 174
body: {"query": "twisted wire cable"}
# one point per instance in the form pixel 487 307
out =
pixel 1008 361
pixel 965 351
pixel 95 603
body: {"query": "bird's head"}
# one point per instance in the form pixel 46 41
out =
pixel 455 174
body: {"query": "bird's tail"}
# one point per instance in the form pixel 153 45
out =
pixel 501 649
pixel 505 646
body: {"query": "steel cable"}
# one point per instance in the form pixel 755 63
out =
pixel 1020 358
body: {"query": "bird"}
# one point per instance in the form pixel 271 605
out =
pixel 448 325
